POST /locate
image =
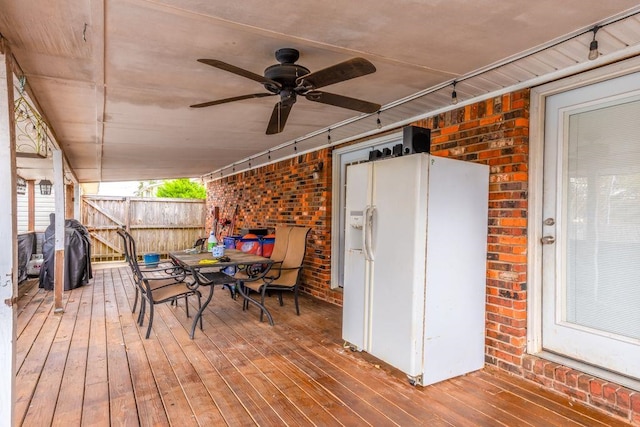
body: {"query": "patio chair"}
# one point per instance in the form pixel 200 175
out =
pixel 200 243
pixel 284 275
pixel 156 286
pixel 249 272
pixel 277 255
pixel 171 274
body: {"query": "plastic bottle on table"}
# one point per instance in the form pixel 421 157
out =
pixel 212 242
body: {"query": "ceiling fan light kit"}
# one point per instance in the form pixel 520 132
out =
pixel 288 80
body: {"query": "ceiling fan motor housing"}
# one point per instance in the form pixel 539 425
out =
pixel 285 74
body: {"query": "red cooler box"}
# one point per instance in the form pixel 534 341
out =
pixel 252 244
pixel 267 245
pixel 249 243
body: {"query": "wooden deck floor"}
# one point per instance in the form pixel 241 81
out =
pixel 91 366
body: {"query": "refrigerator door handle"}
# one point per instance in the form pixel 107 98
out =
pixel 368 233
pixel 365 225
pixel 365 234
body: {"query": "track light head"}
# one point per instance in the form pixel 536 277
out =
pixel 454 94
pixel 593 46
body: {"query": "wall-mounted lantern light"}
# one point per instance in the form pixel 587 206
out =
pixel 315 173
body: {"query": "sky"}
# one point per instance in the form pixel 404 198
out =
pixel 126 188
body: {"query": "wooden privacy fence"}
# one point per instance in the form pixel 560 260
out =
pixel 158 225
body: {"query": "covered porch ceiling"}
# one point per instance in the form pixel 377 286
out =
pixel 115 78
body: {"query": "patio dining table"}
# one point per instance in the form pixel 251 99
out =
pixel 208 272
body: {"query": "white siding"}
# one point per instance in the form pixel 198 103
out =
pixel 23 215
pixel 44 205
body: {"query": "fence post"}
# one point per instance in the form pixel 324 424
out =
pixel 127 214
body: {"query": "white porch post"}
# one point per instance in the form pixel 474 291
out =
pixel 76 201
pixel 8 241
pixel 59 193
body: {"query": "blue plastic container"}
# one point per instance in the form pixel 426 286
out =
pixel 230 241
pixel 151 259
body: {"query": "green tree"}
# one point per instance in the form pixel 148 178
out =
pixel 182 188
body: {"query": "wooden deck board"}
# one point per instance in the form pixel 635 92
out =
pixel 248 397
pixel 33 356
pixel 286 348
pixel 30 323
pixel 223 396
pixel 235 321
pixel 306 408
pixel 204 409
pixel 150 408
pixel 42 406
pixel 73 379
pixel 92 366
pixel 95 407
pixel 552 401
pixel 121 397
pixel 27 290
pixel 515 405
pixel 344 371
pixel 258 379
pixel 175 402
pixel 367 389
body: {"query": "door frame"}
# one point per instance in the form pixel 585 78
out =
pixel 534 230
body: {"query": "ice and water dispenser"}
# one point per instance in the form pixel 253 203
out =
pixel 356 228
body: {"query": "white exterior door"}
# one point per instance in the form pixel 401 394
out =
pixel 591 231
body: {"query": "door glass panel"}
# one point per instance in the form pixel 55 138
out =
pixel 602 220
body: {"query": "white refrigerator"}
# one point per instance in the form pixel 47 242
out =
pixel 415 264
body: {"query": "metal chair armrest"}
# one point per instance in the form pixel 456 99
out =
pixel 270 279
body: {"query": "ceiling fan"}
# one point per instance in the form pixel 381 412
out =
pixel 289 80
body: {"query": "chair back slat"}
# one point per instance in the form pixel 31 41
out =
pixel 281 243
pixel 200 243
pixel 132 256
pixel 123 234
pixel 294 257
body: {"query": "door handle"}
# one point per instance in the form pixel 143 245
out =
pixel 368 232
pixel 548 240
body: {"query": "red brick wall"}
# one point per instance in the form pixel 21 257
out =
pixel 610 397
pixel 494 132
pixel 286 193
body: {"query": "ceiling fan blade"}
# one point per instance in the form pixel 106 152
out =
pixel 240 71
pixel 342 101
pixel 337 73
pixel 235 98
pixel 278 118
